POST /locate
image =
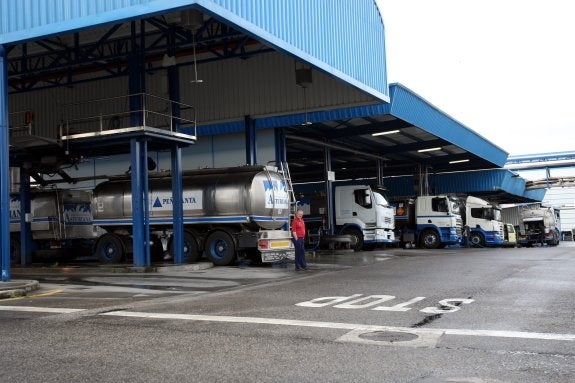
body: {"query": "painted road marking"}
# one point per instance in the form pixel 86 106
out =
pixel 47 293
pixel 346 326
pixel 40 309
pixel 427 337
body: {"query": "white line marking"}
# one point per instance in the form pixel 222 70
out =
pixel 345 326
pixel 40 309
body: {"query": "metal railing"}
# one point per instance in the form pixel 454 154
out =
pixel 124 112
pixel 21 123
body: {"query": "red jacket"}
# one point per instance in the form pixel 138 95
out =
pixel 298 227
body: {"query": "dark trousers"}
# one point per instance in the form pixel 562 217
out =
pixel 300 262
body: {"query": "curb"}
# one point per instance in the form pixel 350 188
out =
pixel 111 269
pixel 17 288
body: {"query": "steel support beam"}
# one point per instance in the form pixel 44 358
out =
pixel 178 206
pixel 137 203
pixel 25 225
pixel 280 144
pixel 4 168
pixel 328 190
pixel 251 142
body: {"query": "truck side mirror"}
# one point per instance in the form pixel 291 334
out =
pixel 367 198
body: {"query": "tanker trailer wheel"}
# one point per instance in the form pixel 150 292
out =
pixel 220 248
pixel 429 239
pixel 357 236
pixel 476 240
pixel 191 253
pixel 109 249
pixel 14 251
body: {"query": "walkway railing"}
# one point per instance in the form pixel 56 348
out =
pixel 140 110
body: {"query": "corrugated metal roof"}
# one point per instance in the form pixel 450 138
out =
pixel 410 107
pixel 305 29
pixel 493 184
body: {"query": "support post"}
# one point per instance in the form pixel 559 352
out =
pixel 328 190
pixel 137 203
pixel 178 207
pixel 4 168
pixel 250 133
pixel 25 226
pixel 280 145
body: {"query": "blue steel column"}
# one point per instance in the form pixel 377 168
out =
pixel 174 85
pixel 135 80
pixel 178 207
pixel 280 144
pixel 250 133
pixel 146 201
pixel 25 226
pixel 4 169
pixel 137 204
pixel 379 172
pixel 328 190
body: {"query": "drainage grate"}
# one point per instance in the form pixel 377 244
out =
pixel 388 336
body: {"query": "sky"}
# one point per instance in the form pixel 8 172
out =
pixel 503 68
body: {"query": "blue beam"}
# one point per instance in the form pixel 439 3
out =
pixel 146 199
pixel 25 226
pixel 137 203
pixel 4 168
pixel 280 144
pixel 178 207
pixel 251 142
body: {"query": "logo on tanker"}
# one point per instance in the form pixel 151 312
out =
pixel 14 209
pixel 164 201
pixel 276 194
pixel 77 214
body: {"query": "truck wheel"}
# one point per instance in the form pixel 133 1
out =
pixel 191 253
pixel 109 249
pixel 429 239
pixel 358 235
pixel 220 248
pixel 476 240
pixel 14 251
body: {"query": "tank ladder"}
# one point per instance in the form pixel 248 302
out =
pixel 284 170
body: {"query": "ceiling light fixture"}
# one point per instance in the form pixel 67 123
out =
pixel 385 133
pixel 458 161
pixel 428 150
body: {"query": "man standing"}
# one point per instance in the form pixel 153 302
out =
pixel 298 234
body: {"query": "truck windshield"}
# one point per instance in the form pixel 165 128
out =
pixel 379 198
pixel 496 214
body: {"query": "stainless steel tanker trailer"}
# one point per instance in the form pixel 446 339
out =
pixel 227 213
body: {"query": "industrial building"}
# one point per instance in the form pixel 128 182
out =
pixel 93 89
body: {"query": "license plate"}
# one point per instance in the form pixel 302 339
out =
pixel 274 256
pixel 279 244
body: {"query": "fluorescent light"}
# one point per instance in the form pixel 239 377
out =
pixel 458 161
pixel 384 133
pixel 428 150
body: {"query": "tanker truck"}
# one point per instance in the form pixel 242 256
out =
pixel 228 213
pixel 534 223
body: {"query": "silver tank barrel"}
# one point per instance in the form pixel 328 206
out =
pixel 250 191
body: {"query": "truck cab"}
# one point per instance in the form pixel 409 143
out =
pixel 363 211
pixel 484 222
pixel 430 221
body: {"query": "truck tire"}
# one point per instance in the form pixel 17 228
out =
pixel 476 240
pixel 191 253
pixel 429 239
pixel 14 251
pixel 358 235
pixel 109 248
pixel 220 248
